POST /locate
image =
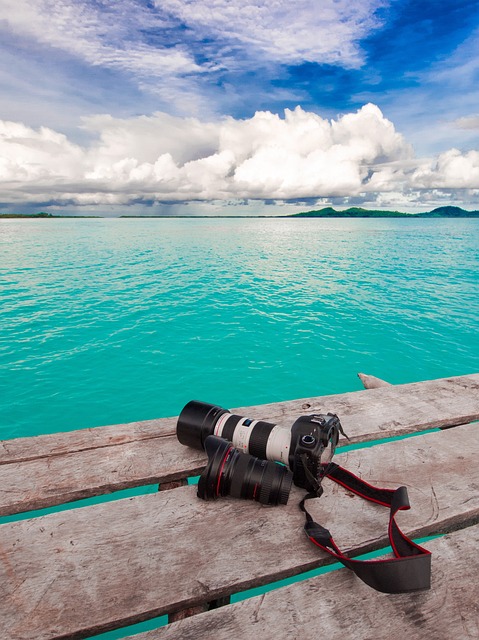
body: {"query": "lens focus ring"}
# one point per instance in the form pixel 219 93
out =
pixel 275 484
pixel 259 439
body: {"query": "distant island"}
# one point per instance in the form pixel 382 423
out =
pixel 28 215
pixel 41 214
pixel 327 212
pixel 357 212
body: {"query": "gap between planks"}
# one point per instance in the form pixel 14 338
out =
pixel 112 564
pixel 433 394
pixel 85 472
pixel 338 606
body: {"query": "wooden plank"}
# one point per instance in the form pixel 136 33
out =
pixel 371 382
pixel 36 484
pixel 442 402
pixel 338 606
pixel 87 570
pixel 49 445
pixel 41 472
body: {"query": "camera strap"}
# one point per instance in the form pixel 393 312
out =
pixel 409 570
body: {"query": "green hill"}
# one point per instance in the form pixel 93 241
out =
pixel 352 212
pixel 358 212
pixel 449 212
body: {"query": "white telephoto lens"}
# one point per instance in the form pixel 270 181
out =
pixel 278 445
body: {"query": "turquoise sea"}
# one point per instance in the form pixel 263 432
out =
pixel 114 320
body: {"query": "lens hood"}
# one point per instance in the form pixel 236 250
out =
pixel 196 422
pixel 217 450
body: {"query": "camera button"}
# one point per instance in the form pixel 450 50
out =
pixel 308 441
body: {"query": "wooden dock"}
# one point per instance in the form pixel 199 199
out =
pixel 79 572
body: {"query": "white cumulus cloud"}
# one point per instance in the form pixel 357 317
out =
pixel 452 169
pixel 28 156
pixel 161 158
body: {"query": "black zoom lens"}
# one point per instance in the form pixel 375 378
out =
pixel 230 472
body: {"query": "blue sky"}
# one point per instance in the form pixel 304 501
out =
pixel 209 106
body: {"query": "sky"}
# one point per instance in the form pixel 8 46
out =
pixel 238 107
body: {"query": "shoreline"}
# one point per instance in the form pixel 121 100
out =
pixel 325 213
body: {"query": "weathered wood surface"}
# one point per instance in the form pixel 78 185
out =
pixel 371 382
pixel 338 606
pixel 31 448
pixel 356 408
pixel 49 470
pixel 86 570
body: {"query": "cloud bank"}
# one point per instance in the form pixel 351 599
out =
pixel 138 36
pixel 161 158
pixel 191 54
pixel 110 38
pixel 283 31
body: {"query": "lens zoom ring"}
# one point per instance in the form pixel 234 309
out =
pixel 259 439
pixel 230 426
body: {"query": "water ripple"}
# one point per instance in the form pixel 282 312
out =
pixel 107 321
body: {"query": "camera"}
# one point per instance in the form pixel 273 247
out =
pixel 306 448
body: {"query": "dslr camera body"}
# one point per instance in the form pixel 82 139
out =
pixel 306 449
pixel 313 442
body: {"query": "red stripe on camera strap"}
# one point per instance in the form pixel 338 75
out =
pixel 409 570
